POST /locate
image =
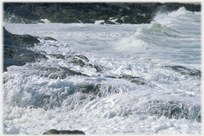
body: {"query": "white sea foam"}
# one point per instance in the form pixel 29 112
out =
pixel 168 103
pixel 45 20
pixel 98 21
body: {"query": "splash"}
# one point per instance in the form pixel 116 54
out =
pixel 12 18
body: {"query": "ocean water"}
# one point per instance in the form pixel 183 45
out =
pixel 165 101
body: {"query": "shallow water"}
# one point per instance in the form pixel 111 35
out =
pixel 167 101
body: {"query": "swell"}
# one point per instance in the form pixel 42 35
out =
pixel 169 26
pixel 168 37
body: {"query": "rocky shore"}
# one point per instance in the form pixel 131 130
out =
pixel 15 51
pixel 86 12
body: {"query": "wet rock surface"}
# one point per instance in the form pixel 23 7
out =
pixel 184 70
pixel 56 72
pixel 49 38
pixel 16 52
pixel 79 60
pixel 98 90
pixel 133 13
pixel 25 40
pixel 133 79
pixel 63 132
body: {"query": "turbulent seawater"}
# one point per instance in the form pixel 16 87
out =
pixel 167 102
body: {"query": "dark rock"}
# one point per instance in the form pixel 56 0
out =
pixel 83 57
pixel 176 6
pixel 77 61
pixel 133 79
pixel 102 23
pixel 56 72
pixel 8 40
pixel 71 58
pixel 109 22
pixel 49 38
pixel 87 20
pixel 185 71
pixel 25 40
pixel 27 55
pixel 71 72
pixel 26 14
pixel 96 90
pixel 63 132
pixel 119 21
pixel 58 56
pixel 15 51
pixel 137 19
pixel 78 56
pixel 97 67
pixel 9 62
pixel 111 77
pixel 86 89
pixel 89 12
pixel 80 60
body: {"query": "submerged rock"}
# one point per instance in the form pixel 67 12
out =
pixel 86 89
pixel 184 70
pixel 83 57
pixel 97 67
pixel 58 56
pixel 133 79
pixel 90 89
pixel 63 132
pixel 49 38
pixel 99 89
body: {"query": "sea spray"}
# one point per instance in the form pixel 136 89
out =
pixel 136 91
